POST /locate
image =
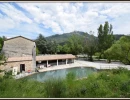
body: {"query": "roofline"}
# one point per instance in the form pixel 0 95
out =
pixel 19 36
pixel 73 57
pixel 55 59
pixel 17 61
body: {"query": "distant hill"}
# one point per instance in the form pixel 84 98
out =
pixel 62 38
pixel 118 36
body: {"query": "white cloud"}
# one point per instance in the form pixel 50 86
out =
pixel 40 16
pixel 13 13
pixel 116 10
pixel 6 23
pixel 66 17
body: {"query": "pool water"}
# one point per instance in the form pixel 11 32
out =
pixel 80 72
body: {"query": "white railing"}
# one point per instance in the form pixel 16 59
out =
pixel 105 66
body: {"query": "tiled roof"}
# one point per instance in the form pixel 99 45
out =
pixel 41 58
pixel 54 57
pixel 19 36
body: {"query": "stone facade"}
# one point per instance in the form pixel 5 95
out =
pixel 20 47
pixel 28 65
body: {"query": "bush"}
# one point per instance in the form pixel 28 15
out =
pixel 97 54
pixel 8 74
pixel 104 76
pixel 11 88
pixel 70 76
pixel 119 70
pixel 54 88
pixel 125 86
pixel 1 70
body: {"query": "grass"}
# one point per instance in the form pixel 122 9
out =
pixel 113 83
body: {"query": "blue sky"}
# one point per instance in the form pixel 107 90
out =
pixel 30 19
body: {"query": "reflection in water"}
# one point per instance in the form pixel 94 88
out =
pixel 80 72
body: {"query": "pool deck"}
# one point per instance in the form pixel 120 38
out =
pixel 78 63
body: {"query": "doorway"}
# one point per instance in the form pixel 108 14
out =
pixel 22 67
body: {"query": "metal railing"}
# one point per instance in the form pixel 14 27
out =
pixel 104 66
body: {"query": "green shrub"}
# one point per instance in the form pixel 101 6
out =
pixel 104 76
pixel 119 70
pixel 8 74
pixel 1 70
pixel 70 76
pixel 54 88
pixel 11 88
pixel 125 86
pixel 97 54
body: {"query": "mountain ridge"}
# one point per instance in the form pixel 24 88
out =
pixel 62 38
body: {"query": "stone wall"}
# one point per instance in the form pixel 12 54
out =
pixel 18 47
pixel 34 57
pixel 10 65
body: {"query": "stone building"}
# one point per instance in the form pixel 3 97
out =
pixel 21 54
pixel 25 63
pixel 20 47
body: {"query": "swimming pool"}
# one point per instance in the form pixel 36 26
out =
pixel 80 72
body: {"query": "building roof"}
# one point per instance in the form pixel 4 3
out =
pixel 19 36
pixel 54 57
pixel 41 58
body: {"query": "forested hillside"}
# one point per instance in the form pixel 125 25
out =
pixel 62 38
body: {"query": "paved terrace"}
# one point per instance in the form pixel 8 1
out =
pixel 78 63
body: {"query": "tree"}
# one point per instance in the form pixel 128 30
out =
pixel 1 43
pixel 105 38
pixel 74 44
pixel 44 46
pixel 52 47
pixel 59 49
pixel 2 56
pixel 41 44
pixel 37 51
pixel 66 49
pixel 120 50
pixel 90 45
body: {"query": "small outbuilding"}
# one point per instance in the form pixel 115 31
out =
pixel 54 60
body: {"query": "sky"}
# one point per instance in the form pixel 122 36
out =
pixel 31 19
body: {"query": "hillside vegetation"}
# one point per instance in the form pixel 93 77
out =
pixel 62 38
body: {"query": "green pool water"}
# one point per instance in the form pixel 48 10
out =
pixel 80 72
